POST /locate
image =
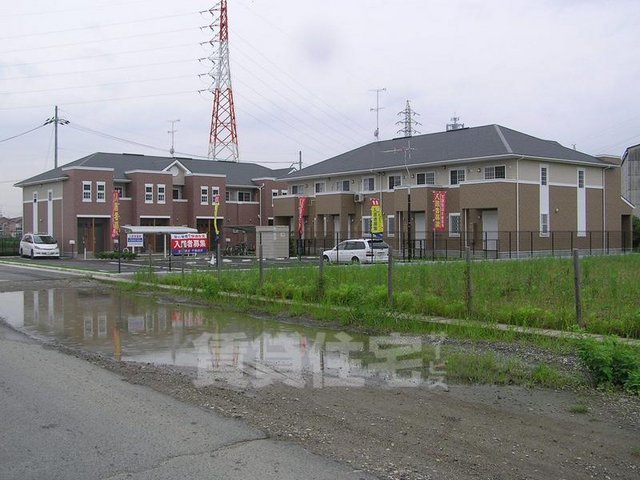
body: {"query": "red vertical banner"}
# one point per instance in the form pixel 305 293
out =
pixel 302 210
pixel 115 215
pixel 439 210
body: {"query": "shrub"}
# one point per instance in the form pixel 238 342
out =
pixel 611 364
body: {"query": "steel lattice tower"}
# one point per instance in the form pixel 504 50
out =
pixel 223 136
pixel 408 121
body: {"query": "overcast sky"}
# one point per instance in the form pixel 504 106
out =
pixel 304 74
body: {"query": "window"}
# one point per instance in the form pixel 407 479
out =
pixel 49 195
pixel 101 194
pixel 177 192
pixel 343 186
pixel 86 191
pixel 368 184
pixel 297 189
pixel 456 176
pixel 119 190
pixel 274 193
pixel 394 181
pixel 244 196
pixel 227 195
pixel 427 178
pixel 580 178
pixel 35 197
pixel 204 195
pixel 148 193
pixel 544 176
pixel 494 172
pixel 454 224
pixel 366 226
pixel 319 187
pixel 544 224
pixel 391 225
pixel 215 195
pixel 284 192
pixel 161 193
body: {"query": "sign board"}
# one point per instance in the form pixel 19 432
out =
pixel 377 221
pixel 439 210
pixel 115 215
pixel 135 240
pixel 188 243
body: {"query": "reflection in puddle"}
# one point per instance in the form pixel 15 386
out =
pixel 223 346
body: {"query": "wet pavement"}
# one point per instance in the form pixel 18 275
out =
pixel 218 345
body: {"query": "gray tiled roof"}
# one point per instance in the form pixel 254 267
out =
pixel 445 147
pixel 237 173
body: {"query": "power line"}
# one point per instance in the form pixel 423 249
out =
pixel 21 134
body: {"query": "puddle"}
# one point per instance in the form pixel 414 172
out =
pixel 222 345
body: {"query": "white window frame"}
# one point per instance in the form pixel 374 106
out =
pixel 461 176
pixel 242 193
pixel 452 232
pixel 161 193
pixel 87 193
pixel 391 220
pixel 297 189
pixel 581 202
pixel 215 191
pixel 284 192
pixel 341 184
pixel 204 195
pixel 274 192
pixel 395 184
pixel 319 187
pixel 366 220
pixel 101 198
pixel 544 176
pixel 148 193
pixel 369 182
pixel 426 176
pixel 490 173
pixel 120 191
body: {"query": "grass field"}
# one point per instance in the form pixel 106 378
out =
pixel 533 293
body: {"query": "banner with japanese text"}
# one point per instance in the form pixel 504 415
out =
pixel 216 207
pixel 439 210
pixel 377 221
pixel 302 210
pixel 115 215
pixel 188 243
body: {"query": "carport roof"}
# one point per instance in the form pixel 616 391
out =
pixel 158 229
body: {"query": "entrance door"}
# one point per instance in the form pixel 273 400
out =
pixel 490 229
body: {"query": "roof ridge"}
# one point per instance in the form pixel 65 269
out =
pixel 502 138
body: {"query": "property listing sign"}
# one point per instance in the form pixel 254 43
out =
pixel 439 210
pixel 188 243
pixel 377 222
pixel 135 240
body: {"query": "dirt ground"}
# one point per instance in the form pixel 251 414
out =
pixel 478 431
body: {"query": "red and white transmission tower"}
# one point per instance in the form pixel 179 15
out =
pixel 223 137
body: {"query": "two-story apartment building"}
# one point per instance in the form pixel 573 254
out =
pixel 74 202
pixel 490 188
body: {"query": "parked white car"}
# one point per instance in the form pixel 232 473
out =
pixel 359 250
pixel 39 245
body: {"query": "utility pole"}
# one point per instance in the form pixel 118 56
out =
pixel 173 131
pixel 376 134
pixel 55 120
pixel 299 160
pixel 407 160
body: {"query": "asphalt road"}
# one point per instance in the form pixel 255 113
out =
pixel 65 418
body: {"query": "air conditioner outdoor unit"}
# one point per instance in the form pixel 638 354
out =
pixel 358 197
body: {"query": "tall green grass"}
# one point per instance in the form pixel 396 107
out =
pixel 533 293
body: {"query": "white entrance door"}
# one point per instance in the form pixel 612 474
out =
pixel 490 229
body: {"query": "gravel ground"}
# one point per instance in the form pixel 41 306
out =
pixel 469 431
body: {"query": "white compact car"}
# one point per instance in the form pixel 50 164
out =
pixel 39 245
pixel 360 250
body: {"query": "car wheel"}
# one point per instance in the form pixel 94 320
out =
pixel 326 259
pixel 355 260
pixel 20 253
pixel 32 255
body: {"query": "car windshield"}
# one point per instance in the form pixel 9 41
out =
pixel 46 239
pixel 378 244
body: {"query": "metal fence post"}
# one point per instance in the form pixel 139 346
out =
pixel 390 279
pixel 577 278
pixel 321 277
pixel 260 262
pixel 468 283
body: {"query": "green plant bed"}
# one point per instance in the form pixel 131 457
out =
pixel 115 254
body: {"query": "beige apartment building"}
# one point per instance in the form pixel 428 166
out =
pixel 490 188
